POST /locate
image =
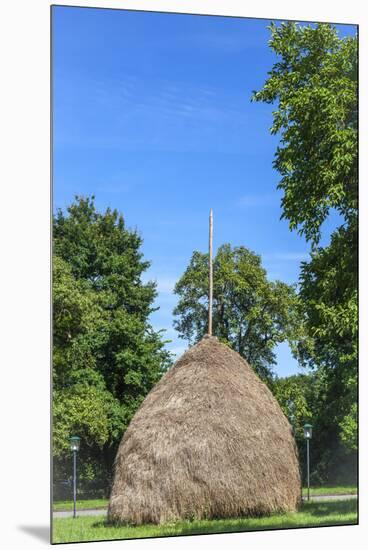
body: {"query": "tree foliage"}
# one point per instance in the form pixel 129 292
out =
pixel 293 396
pixel 314 86
pixel 106 355
pixel 250 313
pixel 308 398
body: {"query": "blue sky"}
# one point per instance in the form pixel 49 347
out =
pixel 152 115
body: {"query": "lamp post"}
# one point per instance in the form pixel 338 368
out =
pixel 308 435
pixel 74 446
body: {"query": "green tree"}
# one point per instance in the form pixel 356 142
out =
pixel 314 86
pixel 106 355
pixel 328 291
pixel 293 396
pixel 250 313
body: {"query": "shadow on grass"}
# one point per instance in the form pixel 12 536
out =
pixel 340 507
pixel 333 512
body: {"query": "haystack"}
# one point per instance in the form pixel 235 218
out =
pixel 209 441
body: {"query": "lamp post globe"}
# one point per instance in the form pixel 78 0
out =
pixel 74 443
pixel 308 430
pixel 74 447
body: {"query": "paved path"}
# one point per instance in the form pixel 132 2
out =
pixel 321 498
pixel 69 514
pixel 103 511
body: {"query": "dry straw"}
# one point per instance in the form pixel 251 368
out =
pixel 209 441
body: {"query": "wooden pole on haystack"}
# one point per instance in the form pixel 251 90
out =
pixel 210 289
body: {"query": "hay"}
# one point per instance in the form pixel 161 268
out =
pixel 209 441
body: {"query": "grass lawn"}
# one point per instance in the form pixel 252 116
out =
pixel 103 503
pixel 81 504
pixel 90 528
pixel 332 490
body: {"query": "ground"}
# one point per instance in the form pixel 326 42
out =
pixel 88 528
pixel 81 504
pixel 103 503
pixel 331 490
